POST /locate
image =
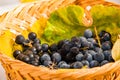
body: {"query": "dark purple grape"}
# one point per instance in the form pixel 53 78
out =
pixel 16 53
pixel 62 53
pixel 91 45
pixel 98 50
pixel 106 46
pixel 99 57
pixel 66 47
pixel 85 44
pixel 34 63
pixel 102 33
pixel 92 52
pixel 83 39
pixel 45 47
pixel 66 53
pixel 93 41
pixel 36 41
pixel 60 63
pixel 28 52
pixel 79 57
pixel 37 57
pixel 33 49
pixel 85 63
pixel 32 36
pixel 75 39
pixel 56 57
pixel 38 47
pixel 88 33
pixel 107 53
pixel 106 37
pixel 74 50
pixel 60 44
pixel 66 41
pixel 25 47
pixel 77 65
pixel 31 56
pixel 110 43
pixel 19 39
pixel 27 41
pixel 75 42
pixel 26 59
pixel 88 57
pixel 78 45
pixel 70 57
pixel 20 56
pixel 64 66
pixel 94 63
pixel 47 63
pixel 110 59
pixel 53 47
pixel 104 62
pixel 45 57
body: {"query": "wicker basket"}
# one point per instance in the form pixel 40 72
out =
pixel 25 15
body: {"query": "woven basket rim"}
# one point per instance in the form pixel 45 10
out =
pixel 59 73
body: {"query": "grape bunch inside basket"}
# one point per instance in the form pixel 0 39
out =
pixel 24 16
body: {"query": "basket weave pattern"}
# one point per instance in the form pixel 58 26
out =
pixel 24 16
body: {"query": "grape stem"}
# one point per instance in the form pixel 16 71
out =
pixel 28 44
pixel 52 66
pixel 84 48
pixel 96 33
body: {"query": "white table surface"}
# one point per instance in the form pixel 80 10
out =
pixel 6 5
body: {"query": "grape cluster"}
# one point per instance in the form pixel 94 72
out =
pixel 77 52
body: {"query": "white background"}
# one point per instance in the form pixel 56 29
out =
pixel 6 5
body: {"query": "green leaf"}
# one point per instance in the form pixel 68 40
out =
pixel 67 22
pixel 64 23
pixel 106 18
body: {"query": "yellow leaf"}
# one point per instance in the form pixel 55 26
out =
pixel 6 43
pixel 39 26
pixel 116 50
